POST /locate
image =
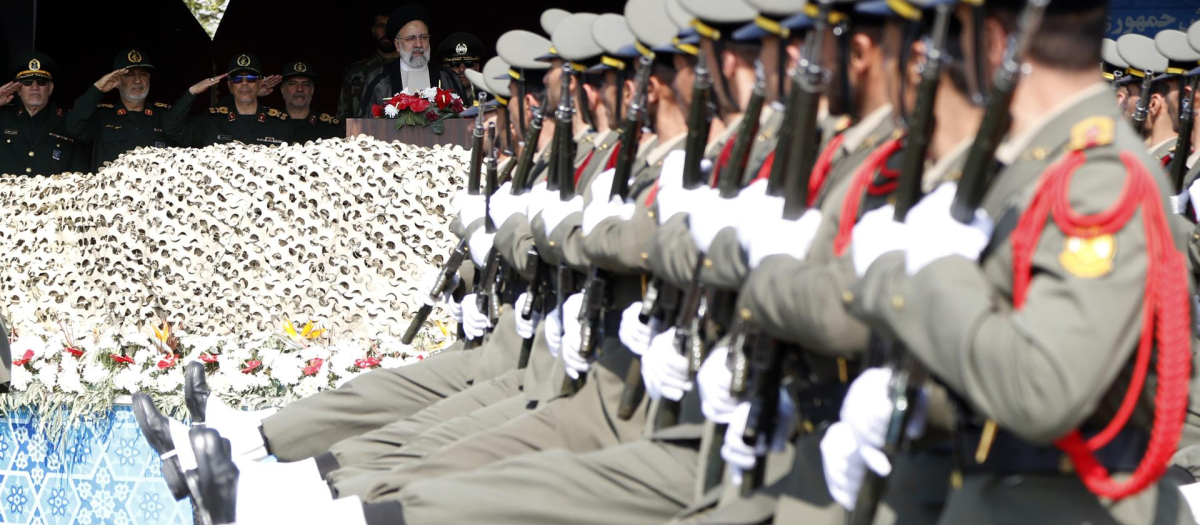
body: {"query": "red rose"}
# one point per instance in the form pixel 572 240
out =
pixel 443 99
pixel 314 366
pixel 431 115
pixel 376 110
pixel 457 106
pixel 24 359
pixel 418 105
pixel 251 366
pixel 169 362
pixel 208 358
pixel 123 359
pixel 74 351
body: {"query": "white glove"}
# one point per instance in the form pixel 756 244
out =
pixel 711 215
pixel 455 309
pixel 935 234
pixel 469 208
pixel 425 290
pixel 754 209
pixel 525 327
pixel 715 381
pixel 672 198
pixel 782 237
pixel 475 324
pixel 875 234
pixel 664 370
pixel 598 211
pixel 558 210
pixel 537 200
pixel 867 411
pixel 635 334
pixel 574 363
pixel 480 245
pixel 671 176
pixel 1194 195
pixel 505 204
pixel 554 332
pixel 742 457
pixel 844 467
pixel 1179 202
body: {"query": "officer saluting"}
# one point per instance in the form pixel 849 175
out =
pixel 34 142
pixel 245 120
pixel 116 128
pixel 297 90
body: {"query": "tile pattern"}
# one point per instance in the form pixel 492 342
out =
pixel 102 473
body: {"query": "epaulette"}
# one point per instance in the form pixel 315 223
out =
pixel 843 123
pixel 273 112
pixel 1092 132
pixel 162 105
pixel 220 110
pixel 104 106
pixel 325 117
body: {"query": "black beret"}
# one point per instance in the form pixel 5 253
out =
pixel 403 15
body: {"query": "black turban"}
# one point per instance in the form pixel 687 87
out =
pixel 403 15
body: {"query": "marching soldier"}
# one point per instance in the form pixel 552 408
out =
pixel 246 120
pixel 114 130
pixel 299 81
pixel 36 141
pixel 1151 115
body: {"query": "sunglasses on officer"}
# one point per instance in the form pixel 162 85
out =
pixel 31 81
pixel 244 78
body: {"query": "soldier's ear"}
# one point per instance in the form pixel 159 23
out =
pixel 652 89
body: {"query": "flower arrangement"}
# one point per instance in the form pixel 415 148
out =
pixel 85 374
pixel 428 107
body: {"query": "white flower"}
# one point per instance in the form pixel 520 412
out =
pixel 27 342
pixel 429 93
pixel 127 380
pixel 94 373
pixel 309 386
pixel 286 368
pixel 392 362
pixel 169 382
pixel 69 381
pixel 390 111
pixel 21 378
pixel 48 376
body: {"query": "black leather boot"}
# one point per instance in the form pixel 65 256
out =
pixel 156 428
pixel 217 476
pixel 195 392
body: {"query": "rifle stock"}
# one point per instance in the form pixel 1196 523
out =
pixel 444 278
pixel 1183 148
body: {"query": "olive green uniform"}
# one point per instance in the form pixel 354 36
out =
pixel 114 130
pixel 223 124
pixel 38 145
pixel 316 127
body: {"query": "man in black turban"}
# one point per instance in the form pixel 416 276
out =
pixel 408 27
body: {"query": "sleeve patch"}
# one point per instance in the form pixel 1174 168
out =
pixel 1092 132
pixel 1090 257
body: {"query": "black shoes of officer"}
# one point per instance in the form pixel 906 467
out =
pixel 216 478
pixel 195 392
pixel 157 430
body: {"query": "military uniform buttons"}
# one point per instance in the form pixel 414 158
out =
pixel 898 302
pixel 708 263
pixel 848 297
pixel 31 154
pixel 1039 153
pixel 645 256
pixel 746 314
pixel 28 170
pixel 552 244
pixel 650 214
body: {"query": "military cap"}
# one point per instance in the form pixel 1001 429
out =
pixel 132 59
pixel 1174 46
pixel 470 112
pixel 652 27
pixel 461 47
pixel 477 80
pixel 244 62
pixel 1193 34
pixel 552 52
pixel 612 34
pixel 551 18
pixel 769 21
pixel 1113 66
pixel 718 19
pixel 1142 56
pixel 521 49
pixel 34 65
pixel 299 68
pixel 574 43
pixel 685 38
pixel 405 14
pixel 495 74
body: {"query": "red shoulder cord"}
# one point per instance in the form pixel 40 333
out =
pixel 1165 316
pixel 764 171
pixel 612 157
pixel 722 161
pixel 582 167
pixel 823 166
pixel 858 187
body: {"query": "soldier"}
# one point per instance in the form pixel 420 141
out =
pixel 408 26
pixel 246 120
pixel 299 80
pixel 1062 299
pixel 460 52
pixel 1173 45
pixel 1113 70
pixel 34 127
pixel 113 130
pixel 1148 65
pixel 355 75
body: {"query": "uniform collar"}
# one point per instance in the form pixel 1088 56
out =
pixel 855 135
pixel 940 171
pixel 1154 149
pixel 1011 149
pixel 663 148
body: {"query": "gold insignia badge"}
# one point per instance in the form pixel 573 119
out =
pixel 1092 132
pixel 134 57
pixel 461 48
pixel 325 117
pixel 243 61
pixel 35 65
pixel 300 67
pixel 1088 257
pixel 273 112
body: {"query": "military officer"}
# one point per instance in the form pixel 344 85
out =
pixel 299 81
pixel 114 130
pixel 245 120
pixel 460 52
pixel 355 75
pixel 33 126
pixel 408 26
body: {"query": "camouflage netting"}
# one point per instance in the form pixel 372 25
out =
pixel 228 240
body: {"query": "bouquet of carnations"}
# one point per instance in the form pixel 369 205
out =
pixel 428 107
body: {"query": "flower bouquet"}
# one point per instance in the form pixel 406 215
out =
pixel 428 107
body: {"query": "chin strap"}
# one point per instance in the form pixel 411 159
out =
pixel 1165 317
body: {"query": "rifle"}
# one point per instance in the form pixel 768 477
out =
pixel 597 297
pixel 809 81
pixel 562 175
pixel 490 304
pixel 907 374
pixel 1143 105
pixel 483 288
pixel 1183 147
pixel 450 268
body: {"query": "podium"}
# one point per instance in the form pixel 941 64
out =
pixel 458 132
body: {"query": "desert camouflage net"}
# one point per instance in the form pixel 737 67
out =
pixel 228 240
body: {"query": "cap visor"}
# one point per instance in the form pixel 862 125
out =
pixel 750 32
pixel 797 22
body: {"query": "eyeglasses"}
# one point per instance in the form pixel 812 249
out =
pixel 413 38
pixel 244 78
pixel 31 81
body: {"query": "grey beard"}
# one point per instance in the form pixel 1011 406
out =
pixel 134 98
pixel 415 62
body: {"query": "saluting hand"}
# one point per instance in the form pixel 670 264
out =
pixel 268 85
pixel 111 80
pixel 7 91
pixel 203 85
